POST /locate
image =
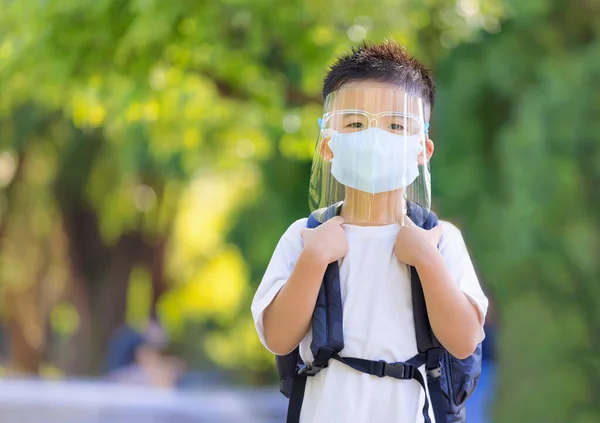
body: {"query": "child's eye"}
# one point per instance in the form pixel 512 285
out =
pixel 355 125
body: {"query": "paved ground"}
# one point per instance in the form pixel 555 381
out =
pixel 98 402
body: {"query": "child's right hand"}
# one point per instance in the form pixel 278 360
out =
pixel 328 241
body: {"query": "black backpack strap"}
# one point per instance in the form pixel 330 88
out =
pixel 434 379
pixel 328 334
pixel 327 319
pixel 426 340
pixel 430 349
pixel 399 370
pixel 428 344
pixel 433 371
pixel 296 399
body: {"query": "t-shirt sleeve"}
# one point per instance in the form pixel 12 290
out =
pixel 460 266
pixel 278 271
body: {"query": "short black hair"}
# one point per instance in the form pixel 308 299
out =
pixel 386 62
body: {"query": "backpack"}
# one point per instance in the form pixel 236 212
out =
pixel 450 380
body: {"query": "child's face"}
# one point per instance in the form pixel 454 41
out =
pixel 362 105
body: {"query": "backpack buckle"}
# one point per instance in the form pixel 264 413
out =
pixel 401 371
pixel 310 370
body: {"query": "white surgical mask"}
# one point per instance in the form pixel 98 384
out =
pixel 375 160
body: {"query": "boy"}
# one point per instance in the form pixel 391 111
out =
pixel 372 161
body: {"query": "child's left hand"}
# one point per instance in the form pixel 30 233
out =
pixel 414 245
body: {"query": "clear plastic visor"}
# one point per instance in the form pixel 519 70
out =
pixel 372 155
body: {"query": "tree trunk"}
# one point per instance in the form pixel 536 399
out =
pixel 24 332
pixel 101 280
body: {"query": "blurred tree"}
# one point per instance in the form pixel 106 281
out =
pixel 517 156
pixel 179 136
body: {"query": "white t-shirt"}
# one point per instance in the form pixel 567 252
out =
pixel 378 323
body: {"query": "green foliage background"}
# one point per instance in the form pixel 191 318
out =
pixel 152 153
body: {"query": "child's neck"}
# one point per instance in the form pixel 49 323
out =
pixel 362 208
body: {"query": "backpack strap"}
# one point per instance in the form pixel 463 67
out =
pixel 431 359
pixel 426 340
pixel 399 370
pixel 328 336
pixel 296 398
pixel 430 349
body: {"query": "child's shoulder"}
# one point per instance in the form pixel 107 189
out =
pixel 452 237
pixel 450 229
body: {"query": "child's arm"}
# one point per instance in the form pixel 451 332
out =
pixel 287 319
pixel 455 319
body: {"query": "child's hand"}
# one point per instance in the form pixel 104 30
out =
pixel 328 241
pixel 414 245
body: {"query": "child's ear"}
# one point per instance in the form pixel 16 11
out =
pixel 429 147
pixel 324 149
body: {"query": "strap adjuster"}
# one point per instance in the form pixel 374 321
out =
pixel 310 370
pixel 434 373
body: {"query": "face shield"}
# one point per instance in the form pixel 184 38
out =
pixel 371 157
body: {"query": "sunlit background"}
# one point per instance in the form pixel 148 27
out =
pixel 152 153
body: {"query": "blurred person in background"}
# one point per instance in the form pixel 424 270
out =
pixel 143 358
pixel 3 348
